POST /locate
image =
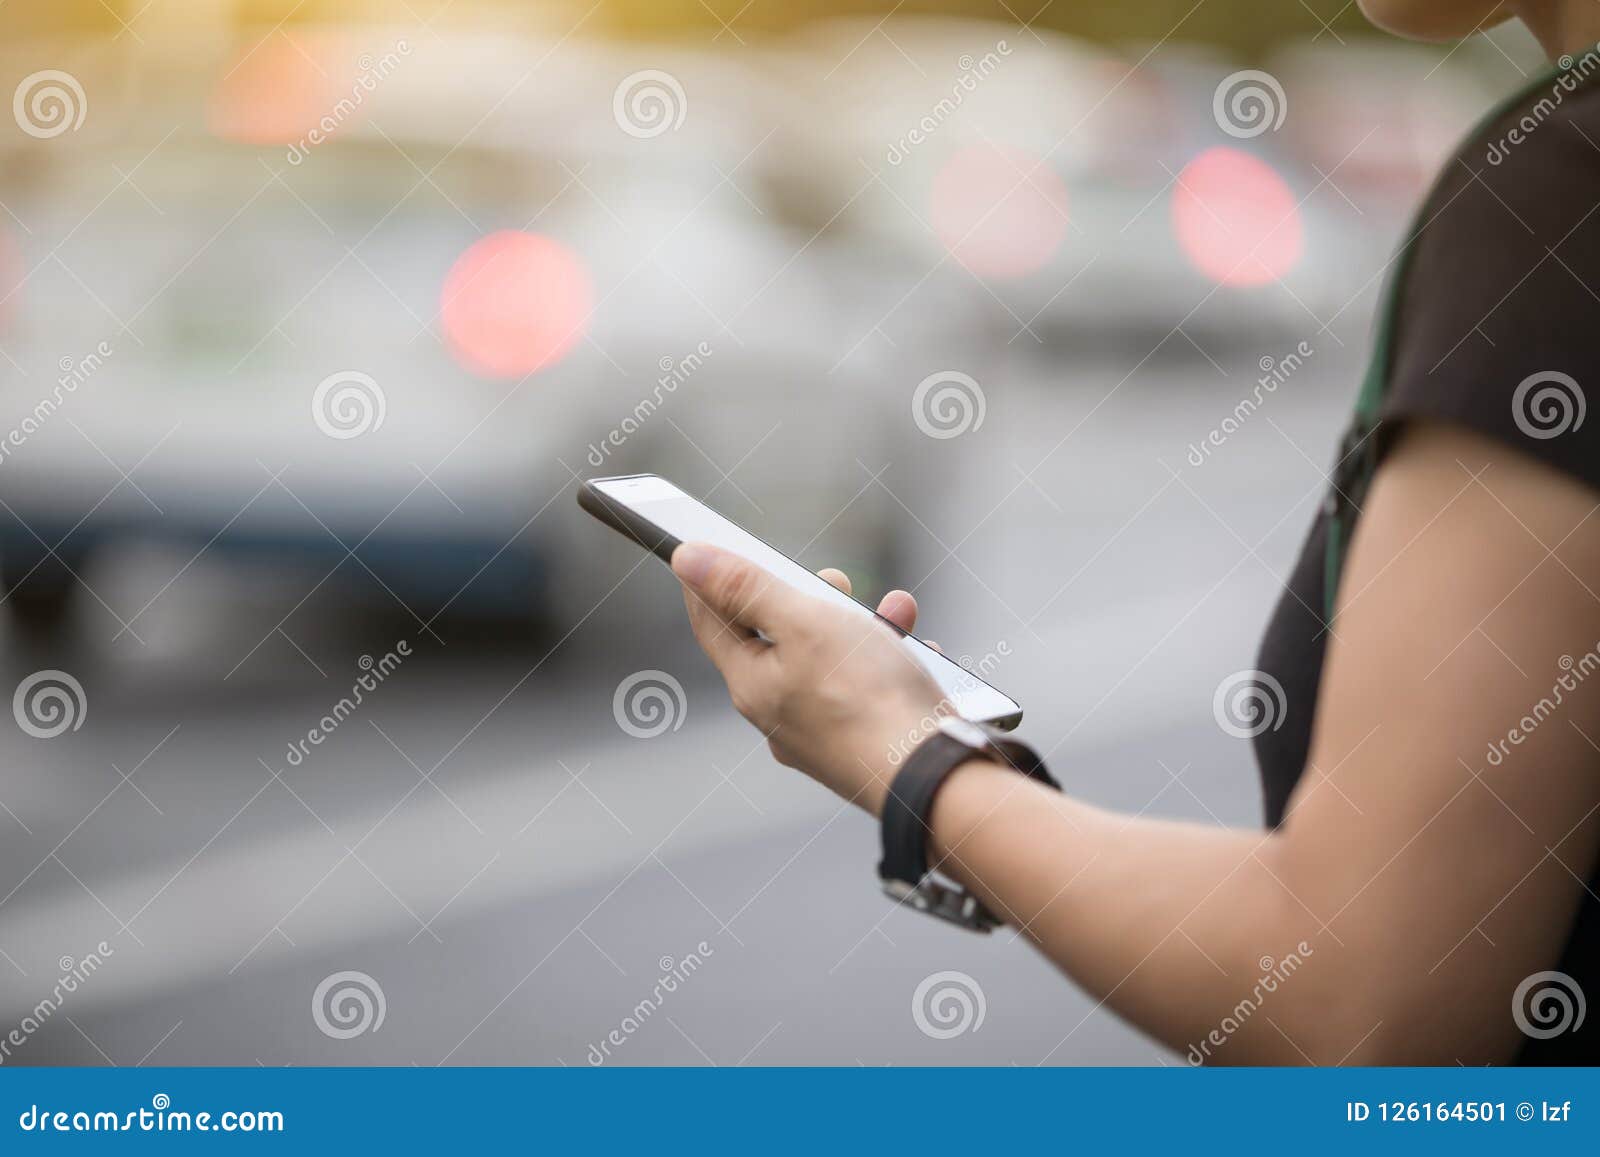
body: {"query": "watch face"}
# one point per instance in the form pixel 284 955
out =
pixel 965 731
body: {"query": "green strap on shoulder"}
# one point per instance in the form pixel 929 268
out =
pixel 1359 450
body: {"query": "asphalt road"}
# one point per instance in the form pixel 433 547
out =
pixel 516 873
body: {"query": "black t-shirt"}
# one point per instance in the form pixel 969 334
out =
pixel 1501 293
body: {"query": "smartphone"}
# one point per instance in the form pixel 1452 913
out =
pixel 658 516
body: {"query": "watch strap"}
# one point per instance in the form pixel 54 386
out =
pixel 909 801
pixel 908 806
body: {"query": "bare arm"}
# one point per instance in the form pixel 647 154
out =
pixel 1415 882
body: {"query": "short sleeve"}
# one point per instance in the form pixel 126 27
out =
pixel 1498 321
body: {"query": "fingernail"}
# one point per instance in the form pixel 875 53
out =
pixel 691 563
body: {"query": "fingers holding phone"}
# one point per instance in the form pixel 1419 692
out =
pixel 832 689
pixel 744 595
pixel 899 607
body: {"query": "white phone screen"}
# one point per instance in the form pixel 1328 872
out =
pixel 689 520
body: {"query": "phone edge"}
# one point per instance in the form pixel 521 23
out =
pixel 661 544
pixel 624 521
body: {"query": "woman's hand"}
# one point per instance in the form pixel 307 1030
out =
pixel 835 693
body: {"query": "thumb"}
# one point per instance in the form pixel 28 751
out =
pixel 735 588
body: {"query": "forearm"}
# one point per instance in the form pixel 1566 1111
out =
pixel 1171 924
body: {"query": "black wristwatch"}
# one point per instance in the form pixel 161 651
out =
pixel 907 809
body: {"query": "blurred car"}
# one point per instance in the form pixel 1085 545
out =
pixel 1103 195
pixel 1423 104
pixel 387 352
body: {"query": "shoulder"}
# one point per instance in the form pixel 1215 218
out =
pixel 1523 184
pixel 1455 723
pixel 1496 319
pixel 1570 102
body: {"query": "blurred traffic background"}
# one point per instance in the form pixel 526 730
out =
pixel 343 736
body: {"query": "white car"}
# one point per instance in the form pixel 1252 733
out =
pixel 310 354
pixel 1055 176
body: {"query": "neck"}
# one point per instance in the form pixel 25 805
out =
pixel 1562 27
